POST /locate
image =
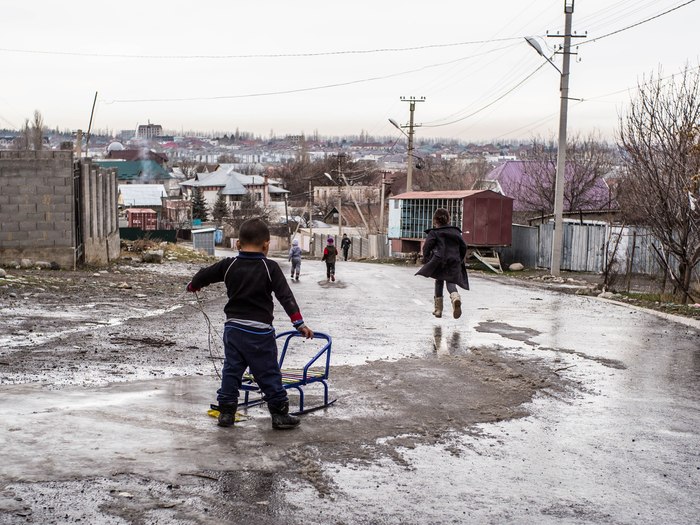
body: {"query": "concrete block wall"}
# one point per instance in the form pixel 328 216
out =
pixel 100 224
pixel 36 207
pixel 38 216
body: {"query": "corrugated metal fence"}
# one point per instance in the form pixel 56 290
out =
pixel 587 248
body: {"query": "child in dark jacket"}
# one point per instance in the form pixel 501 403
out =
pixel 295 259
pixel 249 338
pixel 330 253
pixel 444 251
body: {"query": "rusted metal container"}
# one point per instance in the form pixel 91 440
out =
pixel 144 218
pixel 484 216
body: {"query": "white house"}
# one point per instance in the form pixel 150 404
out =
pixel 234 186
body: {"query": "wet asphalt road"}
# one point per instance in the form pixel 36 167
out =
pixel 623 447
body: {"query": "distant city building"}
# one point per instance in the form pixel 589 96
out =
pixel 125 135
pixel 149 131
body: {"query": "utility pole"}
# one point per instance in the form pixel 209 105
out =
pixel 381 204
pixel 558 237
pixel 409 168
pixel 311 221
pixel 286 215
pixel 340 200
pixel 354 201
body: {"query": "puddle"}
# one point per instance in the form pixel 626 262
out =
pixel 64 322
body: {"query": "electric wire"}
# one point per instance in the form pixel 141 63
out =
pixel 649 19
pixel 305 89
pixel 255 55
pixel 510 76
pixel 500 97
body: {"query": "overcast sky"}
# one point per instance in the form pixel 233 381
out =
pixel 222 65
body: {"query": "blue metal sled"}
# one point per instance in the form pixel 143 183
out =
pixel 315 370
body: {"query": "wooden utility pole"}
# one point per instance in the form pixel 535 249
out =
pixel 286 215
pixel 381 204
pixel 310 203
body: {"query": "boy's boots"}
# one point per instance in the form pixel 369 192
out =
pixel 281 418
pixel 438 307
pixel 456 305
pixel 227 415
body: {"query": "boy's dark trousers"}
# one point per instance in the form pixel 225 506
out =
pixel 249 347
pixel 330 269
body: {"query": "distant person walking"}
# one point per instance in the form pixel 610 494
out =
pixel 330 252
pixel 295 258
pixel 345 245
pixel 443 260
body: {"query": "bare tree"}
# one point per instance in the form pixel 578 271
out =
pixel 249 208
pixel 37 131
pixel 24 139
pixel 189 168
pixel 660 136
pixel 454 174
pixel 588 161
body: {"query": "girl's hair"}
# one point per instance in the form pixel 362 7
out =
pixel 441 217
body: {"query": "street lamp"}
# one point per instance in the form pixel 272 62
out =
pixel 558 237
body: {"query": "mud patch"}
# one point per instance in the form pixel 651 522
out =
pixel 245 496
pixel 610 363
pixel 516 333
pixel 385 406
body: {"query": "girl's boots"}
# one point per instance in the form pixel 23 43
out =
pixel 438 307
pixel 456 305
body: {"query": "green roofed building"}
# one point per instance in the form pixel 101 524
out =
pixel 137 171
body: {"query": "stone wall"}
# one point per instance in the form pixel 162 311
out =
pixel 36 207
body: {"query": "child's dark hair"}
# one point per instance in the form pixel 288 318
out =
pixel 441 217
pixel 254 231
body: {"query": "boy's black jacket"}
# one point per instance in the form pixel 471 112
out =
pixel 250 279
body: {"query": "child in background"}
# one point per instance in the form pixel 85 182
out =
pixel 443 260
pixel 249 338
pixel 330 252
pixel 295 258
pixel 345 245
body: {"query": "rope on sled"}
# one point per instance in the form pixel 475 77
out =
pixel 214 337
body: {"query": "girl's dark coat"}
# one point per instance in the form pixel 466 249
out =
pixel 443 256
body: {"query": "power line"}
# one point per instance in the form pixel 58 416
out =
pixel 310 88
pixel 637 24
pixel 535 71
pixel 542 120
pixel 516 86
pixel 257 55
